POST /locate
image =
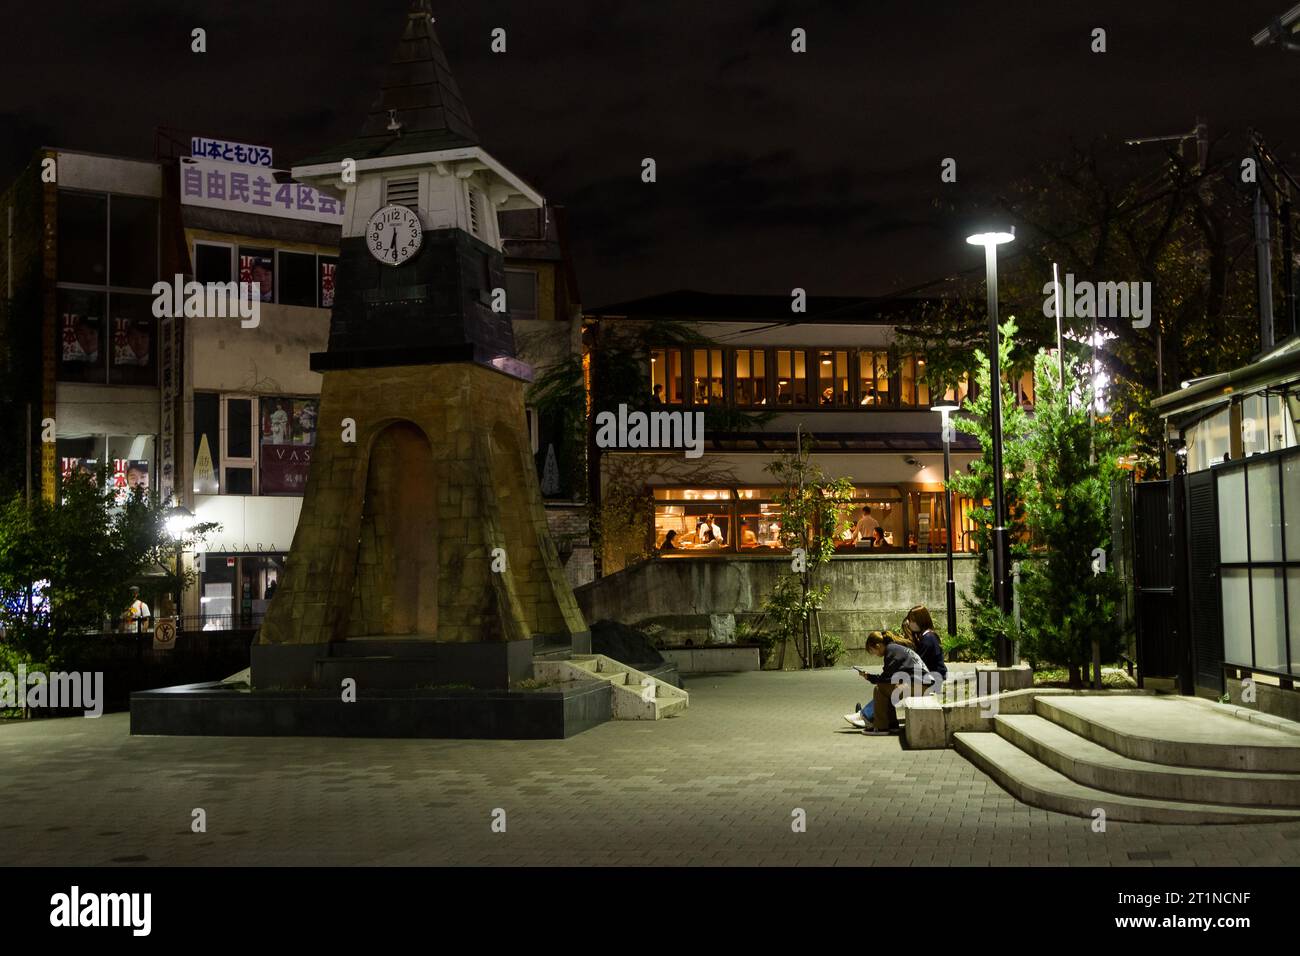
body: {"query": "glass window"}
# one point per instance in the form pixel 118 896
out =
pixel 297 271
pixel 239 428
pixel 207 444
pixel 212 263
pixel 960 392
pixel 1232 517
pixel 329 267
pixel 1293 603
pixel 707 372
pixel 699 519
pixel 83 238
pixel 758 520
pixel 1291 505
pixel 915 391
pixel 751 377
pixel 258 265
pixel 1265 512
pixel 1270 634
pixel 133 241
pixel 521 293
pixel 833 378
pixel 133 357
pixel 791 377
pixel 82 350
pixel 666 376
pixel 873 378
pixel 1236 615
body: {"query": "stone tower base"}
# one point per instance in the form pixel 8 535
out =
pixel 422 555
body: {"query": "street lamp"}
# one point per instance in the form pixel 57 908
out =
pixel 946 411
pixel 990 240
pixel 179 523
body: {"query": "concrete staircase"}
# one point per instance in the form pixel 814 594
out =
pixel 1143 759
pixel 636 695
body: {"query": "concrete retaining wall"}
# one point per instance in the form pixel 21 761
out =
pixel 692 598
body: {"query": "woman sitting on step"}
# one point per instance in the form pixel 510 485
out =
pixel 903 672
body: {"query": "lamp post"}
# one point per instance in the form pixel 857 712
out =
pixel 990 240
pixel 945 411
pixel 180 521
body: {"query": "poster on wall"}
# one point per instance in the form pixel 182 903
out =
pixel 128 475
pixel 260 269
pixel 327 272
pixel 288 434
pixel 132 341
pixel 70 467
pixel 80 338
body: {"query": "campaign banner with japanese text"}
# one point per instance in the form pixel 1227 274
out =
pixel 219 185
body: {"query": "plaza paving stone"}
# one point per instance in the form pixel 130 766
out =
pixel 716 787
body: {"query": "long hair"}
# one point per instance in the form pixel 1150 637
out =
pixel 881 638
pixel 920 616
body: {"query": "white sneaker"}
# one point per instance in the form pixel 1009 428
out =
pixel 856 720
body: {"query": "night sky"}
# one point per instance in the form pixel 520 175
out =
pixel 776 169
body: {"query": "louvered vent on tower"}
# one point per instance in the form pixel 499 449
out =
pixel 403 192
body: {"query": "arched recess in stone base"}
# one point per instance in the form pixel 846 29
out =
pixel 395 587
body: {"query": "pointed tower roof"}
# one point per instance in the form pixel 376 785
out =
pixel 419 93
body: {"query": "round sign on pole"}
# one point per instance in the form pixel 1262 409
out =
pixel 164 634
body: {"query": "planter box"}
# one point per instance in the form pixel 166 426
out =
pixel 713 658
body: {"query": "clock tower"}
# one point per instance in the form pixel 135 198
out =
pixel 422 555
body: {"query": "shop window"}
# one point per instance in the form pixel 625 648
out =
pixel 213 263
pixel 207 443
pixel 699 519
pixel 1023 389
pixel 833 378
pixel 521 293
pixel 666 376
pixel 133 355
pixel 133 242
pixel 707 380
pixel 82 347
pixel 258 266
pixel 288 433
pixel 83 238
pixel 791 377
pixel 328 267
pixel 873 379
pixel 297 274
pixel 751 377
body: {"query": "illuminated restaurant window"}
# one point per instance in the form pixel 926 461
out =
pixel 699 519
pixel 791 377
pixel 833 378
pixel 958 393
pixel 873 378
pixel 707 372
pixel 915 391
pixel 758 520
pixel 751 377
pixel 666 375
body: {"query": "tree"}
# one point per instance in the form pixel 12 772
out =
pixel 1109 213
pixel 66 567
pixel 810 505
pixel 1067 595
pixel 987 619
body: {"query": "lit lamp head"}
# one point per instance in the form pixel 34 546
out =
pixel 946 411
pixel 992 237
pixel 180 522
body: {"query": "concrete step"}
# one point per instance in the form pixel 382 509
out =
pixel 670 707
pixel 1175 732
pixel 1092 765
pixel 1038 785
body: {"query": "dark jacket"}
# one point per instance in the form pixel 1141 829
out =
pixel 930 648
pixel 900 657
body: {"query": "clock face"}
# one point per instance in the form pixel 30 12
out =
pixel 393 235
